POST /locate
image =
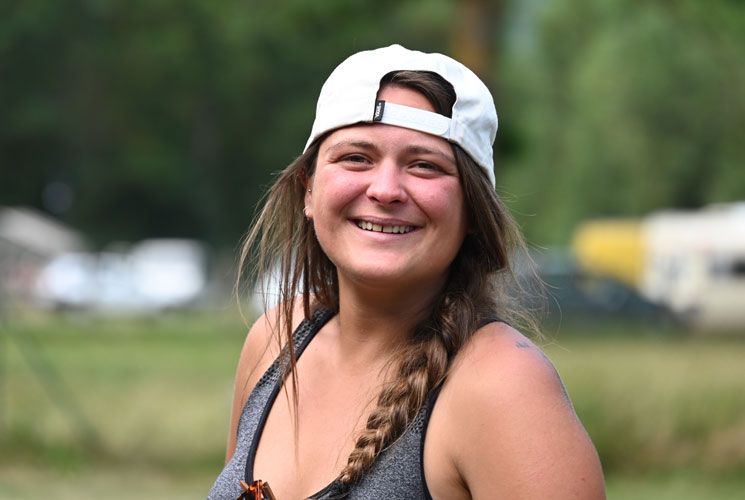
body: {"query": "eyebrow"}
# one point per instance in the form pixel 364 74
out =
pixel 357 144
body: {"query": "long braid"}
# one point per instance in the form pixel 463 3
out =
pixel 480 283
pixel 421 367
pixel 477 289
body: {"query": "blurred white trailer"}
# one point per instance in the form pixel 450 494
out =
pixel 695 264
pixel 692 262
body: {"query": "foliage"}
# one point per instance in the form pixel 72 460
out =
pixel 166 118
pixel 163 118
pixel 628 107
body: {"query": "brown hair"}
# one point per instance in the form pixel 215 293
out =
pixel 480 287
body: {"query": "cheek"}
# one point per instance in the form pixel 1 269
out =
pixel 446 205
pixel 450 210
pixel 332 195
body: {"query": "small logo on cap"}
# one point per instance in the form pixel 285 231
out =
pixel 379 108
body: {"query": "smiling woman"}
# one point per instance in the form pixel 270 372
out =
pixel 396 292
pixel 371 181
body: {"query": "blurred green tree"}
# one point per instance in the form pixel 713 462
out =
pixel 163 118
pixel 167 118
pixel 629 107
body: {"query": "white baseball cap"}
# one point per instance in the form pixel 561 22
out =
pixel 350 92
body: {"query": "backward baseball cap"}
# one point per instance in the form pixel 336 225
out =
pixel 349 95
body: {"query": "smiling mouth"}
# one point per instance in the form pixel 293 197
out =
pixel 379 228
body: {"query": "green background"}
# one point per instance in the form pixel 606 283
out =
pixel 161 118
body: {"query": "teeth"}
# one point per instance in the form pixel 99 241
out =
pixel 378 228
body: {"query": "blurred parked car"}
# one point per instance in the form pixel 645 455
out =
pixel 575 294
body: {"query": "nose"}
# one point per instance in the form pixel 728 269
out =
pixel 387 184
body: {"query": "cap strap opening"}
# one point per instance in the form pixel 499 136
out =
pixel 414 118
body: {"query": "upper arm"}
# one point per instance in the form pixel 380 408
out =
pixel 517 434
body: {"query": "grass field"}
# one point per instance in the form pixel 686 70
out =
pixel 121 408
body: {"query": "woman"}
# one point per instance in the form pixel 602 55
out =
pixel 393 324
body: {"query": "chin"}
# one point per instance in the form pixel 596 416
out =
pixel 393 278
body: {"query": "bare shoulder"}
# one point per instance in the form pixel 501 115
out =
pixel 259 350
pixel 504 362
pixel 262 345
pixel 517 433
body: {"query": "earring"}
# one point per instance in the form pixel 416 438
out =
pixel 305 212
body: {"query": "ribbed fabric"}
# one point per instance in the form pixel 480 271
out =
pixel 396 473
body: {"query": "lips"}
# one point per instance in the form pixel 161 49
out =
pixel 384 228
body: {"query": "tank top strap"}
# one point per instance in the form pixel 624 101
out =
pixel 305 332
pixel 275 375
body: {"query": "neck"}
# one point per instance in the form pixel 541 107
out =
pixel 375 322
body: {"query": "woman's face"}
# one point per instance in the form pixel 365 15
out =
pixel 386 202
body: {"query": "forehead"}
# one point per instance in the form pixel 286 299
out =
pixel 405 96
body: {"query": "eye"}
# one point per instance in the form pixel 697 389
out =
pixel 354 158
pixel 427 167
pixel 354 161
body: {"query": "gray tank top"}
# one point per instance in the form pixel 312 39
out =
pixel 398 471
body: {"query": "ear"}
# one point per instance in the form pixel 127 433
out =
pixel 308 210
